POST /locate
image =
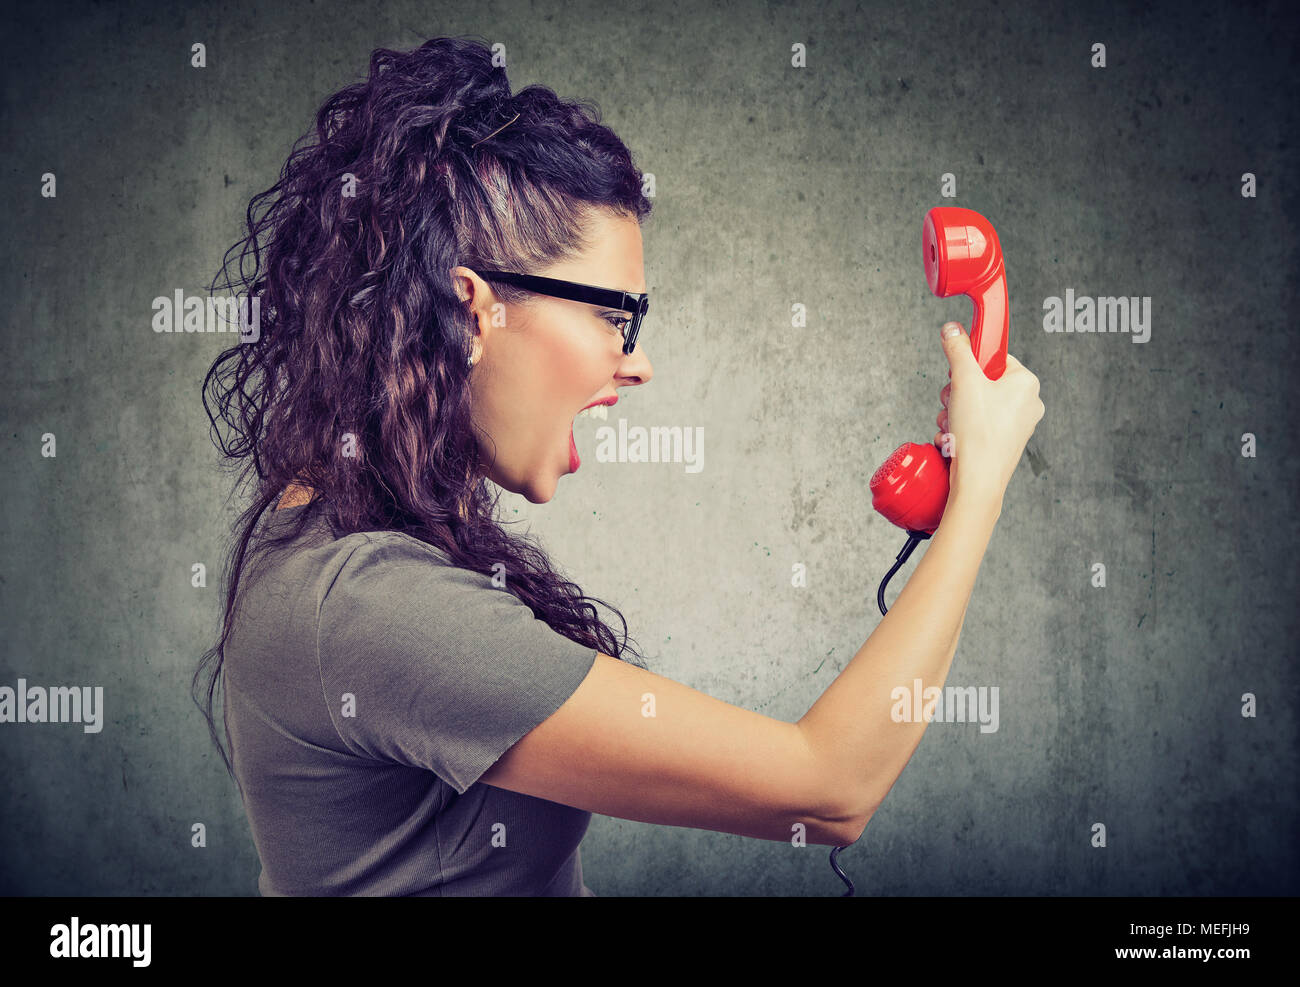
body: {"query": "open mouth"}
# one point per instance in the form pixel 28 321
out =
pixel 597 409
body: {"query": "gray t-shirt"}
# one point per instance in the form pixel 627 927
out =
pixel 368 685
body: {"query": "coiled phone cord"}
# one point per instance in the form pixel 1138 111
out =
pixel 914 538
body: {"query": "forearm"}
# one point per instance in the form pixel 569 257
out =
pixel 850 728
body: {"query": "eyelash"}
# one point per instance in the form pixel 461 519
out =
pixel 619 324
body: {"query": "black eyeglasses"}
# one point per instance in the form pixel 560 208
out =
pixel 625 301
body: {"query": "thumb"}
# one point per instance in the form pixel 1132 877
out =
pixel 956 346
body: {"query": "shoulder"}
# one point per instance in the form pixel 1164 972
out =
pixel 378 562
pixel 392 583
pixel 378 547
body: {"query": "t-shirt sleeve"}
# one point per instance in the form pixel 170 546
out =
pixel 446 671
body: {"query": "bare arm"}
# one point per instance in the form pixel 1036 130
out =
pixel 697 761
pixel 849 727
pixel 636 745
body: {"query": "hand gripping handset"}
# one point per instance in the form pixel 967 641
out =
pixel 962 256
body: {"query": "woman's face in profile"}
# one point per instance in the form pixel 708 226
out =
pixel 541 362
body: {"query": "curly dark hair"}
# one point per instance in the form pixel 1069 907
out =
pixel 362 339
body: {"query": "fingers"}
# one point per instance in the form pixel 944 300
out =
pixel 941 419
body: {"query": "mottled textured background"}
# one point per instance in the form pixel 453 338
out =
pixel 775 186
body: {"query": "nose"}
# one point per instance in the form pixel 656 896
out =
pixel 635 368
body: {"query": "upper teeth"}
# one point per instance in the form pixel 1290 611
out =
pixel 595 411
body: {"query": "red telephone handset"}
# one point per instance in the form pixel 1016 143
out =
pixel 962 256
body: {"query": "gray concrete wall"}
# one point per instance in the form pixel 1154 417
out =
pixel 776 186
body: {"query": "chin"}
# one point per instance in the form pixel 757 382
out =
pixel 538 490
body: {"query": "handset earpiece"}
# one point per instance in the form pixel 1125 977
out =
pixel 962 256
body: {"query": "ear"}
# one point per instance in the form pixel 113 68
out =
pixel 474 292
pixel 462 282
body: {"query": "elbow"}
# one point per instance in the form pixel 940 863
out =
pixel 844 802
pixel 853 827
pixel 846 805
pixel 845 826
pixel 856 809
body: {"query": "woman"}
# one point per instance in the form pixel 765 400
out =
pixel 416 702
